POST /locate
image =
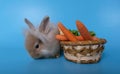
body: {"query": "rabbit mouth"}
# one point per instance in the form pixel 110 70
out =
pixel 38 56
pixel 34 55
pixel 41 54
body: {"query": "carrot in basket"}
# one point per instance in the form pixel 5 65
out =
pixel 83 31
pixel 67 33
pixel 95 38
pixel 80 38
pixel 63 38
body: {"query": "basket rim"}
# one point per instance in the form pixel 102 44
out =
pixel 87 42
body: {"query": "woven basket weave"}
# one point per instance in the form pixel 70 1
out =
pixel 83 51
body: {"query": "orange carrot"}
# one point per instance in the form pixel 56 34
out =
pixel 67 33
pixel 80 38
pixel 63 38
pixel 95 38
pixel 83 31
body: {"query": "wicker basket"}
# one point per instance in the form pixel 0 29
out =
pixel 83 51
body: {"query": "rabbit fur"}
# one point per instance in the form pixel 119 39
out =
pixel 41 42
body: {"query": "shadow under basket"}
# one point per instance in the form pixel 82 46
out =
pixel 83 51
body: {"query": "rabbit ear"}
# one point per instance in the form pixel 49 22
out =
pixel 44 24
pixel 29 24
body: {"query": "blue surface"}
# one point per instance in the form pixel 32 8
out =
pixel 102 16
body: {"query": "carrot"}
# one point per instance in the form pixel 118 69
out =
pixel 80 38
pixel 61 33
pixel 63 38
pixel 83 31
pixel 95 38
pixel 67 33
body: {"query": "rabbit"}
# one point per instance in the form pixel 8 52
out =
pixel 41 42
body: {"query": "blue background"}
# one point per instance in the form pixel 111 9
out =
pixel 101 16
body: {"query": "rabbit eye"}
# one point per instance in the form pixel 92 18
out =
pixel 36 45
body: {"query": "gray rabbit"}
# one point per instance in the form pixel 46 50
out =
pixel 41 42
